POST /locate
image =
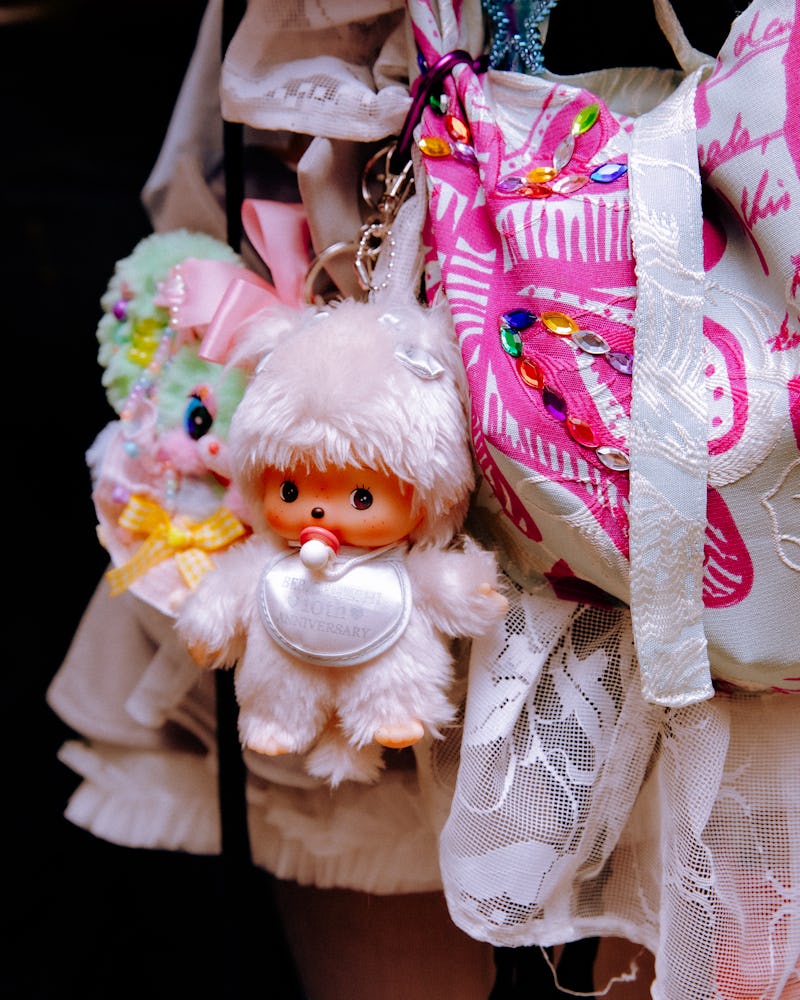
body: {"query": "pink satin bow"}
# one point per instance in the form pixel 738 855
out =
pixel 214 298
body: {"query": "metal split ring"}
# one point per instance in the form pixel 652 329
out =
pixel 320 263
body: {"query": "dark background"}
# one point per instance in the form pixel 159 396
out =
pixel 86 91
pixel 86 94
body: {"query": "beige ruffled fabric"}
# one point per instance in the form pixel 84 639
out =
pixel 147 756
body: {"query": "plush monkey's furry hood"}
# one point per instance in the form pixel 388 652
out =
pixel 358 383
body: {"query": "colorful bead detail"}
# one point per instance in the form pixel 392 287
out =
pixel 149 347
pixel 513 323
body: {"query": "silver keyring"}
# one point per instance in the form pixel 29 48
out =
pixel 320 264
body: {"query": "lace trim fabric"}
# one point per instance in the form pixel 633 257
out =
pixel 579 809
pixel 669 417
pixel 312 69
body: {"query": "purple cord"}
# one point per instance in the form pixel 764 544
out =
pixel 422 88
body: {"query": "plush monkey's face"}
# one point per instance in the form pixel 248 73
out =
pixel 361 507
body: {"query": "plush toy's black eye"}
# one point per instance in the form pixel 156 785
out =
pixel 361 498
pixel 289 491
pixel 197 420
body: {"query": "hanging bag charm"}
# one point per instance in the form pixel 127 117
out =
pixel 387 185
pixel 383 192
pixel 376 233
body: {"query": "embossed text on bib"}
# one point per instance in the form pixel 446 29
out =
pixel 338 622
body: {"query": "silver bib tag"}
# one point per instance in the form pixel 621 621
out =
pixel 341 619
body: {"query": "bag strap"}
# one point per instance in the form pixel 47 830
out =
pixel 669 434
pixel 689 58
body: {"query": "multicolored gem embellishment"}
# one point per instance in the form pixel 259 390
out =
pixel 544 181
pixel 512 325
pixel 539 182
pixel 460 144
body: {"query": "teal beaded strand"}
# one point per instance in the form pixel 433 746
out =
pixel 514 48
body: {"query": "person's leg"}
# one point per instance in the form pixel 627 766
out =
pixel 366 947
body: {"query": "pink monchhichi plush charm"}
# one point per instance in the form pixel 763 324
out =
pixel 350 446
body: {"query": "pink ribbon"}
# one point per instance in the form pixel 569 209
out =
pixel 215 298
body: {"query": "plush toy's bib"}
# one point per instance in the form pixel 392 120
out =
pixel 356 609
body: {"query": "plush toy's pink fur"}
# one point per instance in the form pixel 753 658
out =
pixel 331 390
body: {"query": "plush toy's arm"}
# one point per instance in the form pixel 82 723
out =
pixel 213 620
pixel 458 588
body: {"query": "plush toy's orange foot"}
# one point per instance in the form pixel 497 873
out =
pixel 403 734
pixel 270 747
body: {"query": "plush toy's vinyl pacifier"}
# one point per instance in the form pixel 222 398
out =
pixel 317 546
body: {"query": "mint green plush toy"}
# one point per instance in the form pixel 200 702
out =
pixel 160 472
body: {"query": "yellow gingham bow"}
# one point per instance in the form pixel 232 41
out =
pixel 187 542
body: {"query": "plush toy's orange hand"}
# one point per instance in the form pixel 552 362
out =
pixel 489 591
pixel 201 654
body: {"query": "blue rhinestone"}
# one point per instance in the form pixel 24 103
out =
pixel 519 319
pixel 608 172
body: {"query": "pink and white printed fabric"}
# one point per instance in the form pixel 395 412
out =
pixel 558 280
pixel 619 251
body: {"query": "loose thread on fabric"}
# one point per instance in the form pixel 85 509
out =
pixel 624 977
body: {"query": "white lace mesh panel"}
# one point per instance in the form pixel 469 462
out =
pixel 330 69
pixel 580 809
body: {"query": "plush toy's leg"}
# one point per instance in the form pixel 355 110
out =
pixel 396 697
pixel 402 735
pixel 335 759
pixel 283 705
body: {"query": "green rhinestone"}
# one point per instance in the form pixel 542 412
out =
pixel 510 341
pixel 439 103
pixel 585 118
